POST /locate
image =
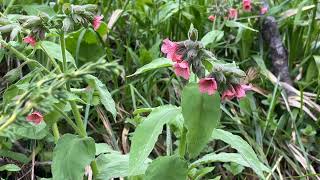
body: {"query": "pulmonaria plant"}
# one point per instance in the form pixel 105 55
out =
pixel 189 55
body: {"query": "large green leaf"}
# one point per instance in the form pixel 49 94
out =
pixel 201 114
pixel 54 50
pixel 105 96
pixel 155 64
pixel 70 157
pixel 146 135
pixel 212 37
pixel 243 148
pixel 168 167
pixel 116 165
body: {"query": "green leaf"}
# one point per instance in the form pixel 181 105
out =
pixel 14 155
pixel 168 167
pixel 10 167
pixel 239 25
pixel 155 64
pixel 54 50
pixel 234 168
pixel 115 165
pixel 201 114
pixel 105 96
pixel 70 157
pixel 102 148
pixel 221 157
pixel 212 37
pixel 243 148
pixel 35 9
pixel 146 135
pixel 30 130
pixel 317 60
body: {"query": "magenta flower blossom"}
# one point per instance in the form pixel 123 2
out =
pixel 170 48
pixel 212 18
pixel 263 10
pixel 228 94
pixel 208 85
pixel 30 40
pixel 97 22
pixel 182 69
pixel 35 117
pixel 246 5
pixel 233 13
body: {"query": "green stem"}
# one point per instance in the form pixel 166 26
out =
pixel 69 121
pixel 77 117
pixel 73 104
pixel 56 133
pixel 8 7
pixel 63 51
pixel 183 143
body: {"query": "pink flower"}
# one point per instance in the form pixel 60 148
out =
pixel 229 94
pixel 35 117
pixel 97 22
pixel 212 18
pixel 182 69
pixel 246 5
pixel 208 85
pixel 30 40
pixel 237 90
pixel 170 48
pixel 233 13
pixel 263 10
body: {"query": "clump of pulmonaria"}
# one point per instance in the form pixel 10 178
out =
pixel 208 85
pixel 263 10
pixel 30 40
pixel 97 20
pixel 246 5
pixel 188 57
pixel 233 13
pixel 35 117
pixel 212 18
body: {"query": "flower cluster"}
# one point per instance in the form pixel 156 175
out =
pixel 232 13
pixel 187 55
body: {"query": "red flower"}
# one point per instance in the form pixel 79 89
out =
pixel 228 94
pixel 30 40
pixel 246 5
pixel 97 22
pixel 35 117
pixel 208 85
pixel 233 13
pixel 170 48
pixel 212 18
pixel 263 10
pixel 182 69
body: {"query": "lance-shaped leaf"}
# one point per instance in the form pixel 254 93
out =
pixel 146 135
pixel 201 113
